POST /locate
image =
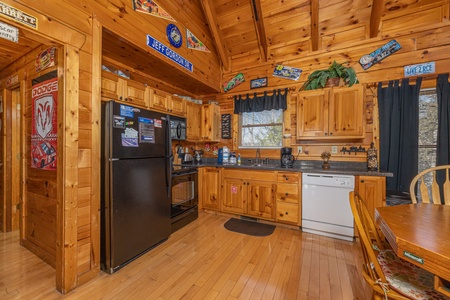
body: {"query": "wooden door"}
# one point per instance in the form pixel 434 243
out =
pixel 373 191
pixel 234 195
pixel 312 114
pixel 261 199
pixel 210 118
pixel 11 168
pixel 134 92
pixel 2 165
pixel 193 123
pixel 158 101
pixel 346 112
pixel 110 86
pixel 211 188
pixel 177 106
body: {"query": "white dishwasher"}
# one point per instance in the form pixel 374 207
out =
pixel 325 205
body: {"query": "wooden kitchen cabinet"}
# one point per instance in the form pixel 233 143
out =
pixel 288 198
pixel 166 103
pixel 373 191
pixel 158 100
pixel 261 199
pixel 331 113
pixel 234 195
pixel 210 117
pixel 177 106
pixel 115 87
pixel 249 193
pixel 203 122
pixel 193 121
pixel 211 187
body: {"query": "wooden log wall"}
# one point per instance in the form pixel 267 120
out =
pixel 66 226
pixel 62 224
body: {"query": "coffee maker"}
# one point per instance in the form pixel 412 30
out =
pixel 287 159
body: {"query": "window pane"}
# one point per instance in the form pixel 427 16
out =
pixel 428 116
pixel 261 129
pixel 264 117
pixel 267 136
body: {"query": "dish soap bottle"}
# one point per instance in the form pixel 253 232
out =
pixel 239 159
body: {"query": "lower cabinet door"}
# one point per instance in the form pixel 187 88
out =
pixel 234 196
pixel 261 202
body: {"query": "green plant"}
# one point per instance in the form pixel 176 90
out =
pixel 318 78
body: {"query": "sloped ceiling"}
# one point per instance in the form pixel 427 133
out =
pixel 280 30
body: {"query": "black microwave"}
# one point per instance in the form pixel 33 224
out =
pixel 178 128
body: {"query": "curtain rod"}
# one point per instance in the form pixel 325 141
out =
pixel 292 88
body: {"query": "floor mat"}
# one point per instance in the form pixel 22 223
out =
pixel 249 227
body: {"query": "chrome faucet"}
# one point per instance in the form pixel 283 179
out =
pixel 257 156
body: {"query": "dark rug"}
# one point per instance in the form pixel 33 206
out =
pixel 249 227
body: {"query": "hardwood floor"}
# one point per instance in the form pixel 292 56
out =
pixel 205 261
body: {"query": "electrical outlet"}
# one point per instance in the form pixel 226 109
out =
pixel 300 149
pixel 334 150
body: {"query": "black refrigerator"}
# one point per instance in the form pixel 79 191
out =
pixel 135 203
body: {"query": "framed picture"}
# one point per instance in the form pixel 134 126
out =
pixel 259 82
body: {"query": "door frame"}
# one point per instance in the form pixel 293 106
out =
pixel 70 41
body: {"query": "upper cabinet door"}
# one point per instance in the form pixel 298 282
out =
pixel 346 113
pixel 312 114
pixel 193 123
pixel 336 113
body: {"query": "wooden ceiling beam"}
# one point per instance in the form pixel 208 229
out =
pixel 258 21
pixel 314 25
pixel 211 17
pixel 375 17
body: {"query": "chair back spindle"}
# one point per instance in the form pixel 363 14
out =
pixel 429 188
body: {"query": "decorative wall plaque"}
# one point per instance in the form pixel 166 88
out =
pixel 226 126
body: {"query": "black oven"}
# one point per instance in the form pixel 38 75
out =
pixel 184 197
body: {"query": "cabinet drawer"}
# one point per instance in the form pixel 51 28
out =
pixel 287 193
pixel 288 213
pixel 250 175
pixel 289 177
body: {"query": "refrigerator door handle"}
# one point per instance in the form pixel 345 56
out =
pixel 168 160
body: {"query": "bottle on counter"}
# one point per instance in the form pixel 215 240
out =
pixel 226 152
pixel 232 158
pixel 220 156
pixel 239 159
pixel 372 158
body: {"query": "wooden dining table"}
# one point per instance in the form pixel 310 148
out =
pixel 420 234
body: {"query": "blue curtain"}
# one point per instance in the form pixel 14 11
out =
pixel 260 103
pixel 443 137
pixel 398 106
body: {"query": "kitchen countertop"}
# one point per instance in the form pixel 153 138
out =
pixel 343 168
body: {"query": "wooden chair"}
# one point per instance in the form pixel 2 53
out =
pixel 389 276
pixel 431 194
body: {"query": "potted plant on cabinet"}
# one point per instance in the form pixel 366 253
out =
pixel 330 77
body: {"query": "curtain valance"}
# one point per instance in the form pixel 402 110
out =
pixel 260 103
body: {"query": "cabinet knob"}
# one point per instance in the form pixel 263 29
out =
pixel 120 98
pixel 287 178
pixel 331 133
pixel 326 133
pixel 362 181
pixel 286 213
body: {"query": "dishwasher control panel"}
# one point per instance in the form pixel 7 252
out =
pixel 344 181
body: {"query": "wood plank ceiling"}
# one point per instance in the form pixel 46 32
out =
pixel 260 32
pixel 279 30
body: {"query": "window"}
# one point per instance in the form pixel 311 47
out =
pixel 261 129
pixel 428 126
